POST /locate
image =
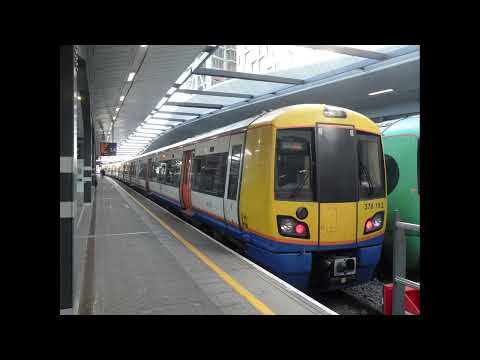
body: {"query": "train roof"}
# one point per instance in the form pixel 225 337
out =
pixel 401 126
pixel 286 117
pixel 307 115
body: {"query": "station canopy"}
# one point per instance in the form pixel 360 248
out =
pixel 203 90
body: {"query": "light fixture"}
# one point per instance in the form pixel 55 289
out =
pixel 117 109
pixel 149 131
pixel 380 92
pixel 143 46
pixel 171 90
pixel 163 122
pixel 181 79
pixel 79 98
pixel 161 103
pixel 114 117
pixel 145 134
pixel 122 97
pixel 131 76
pixel 161 127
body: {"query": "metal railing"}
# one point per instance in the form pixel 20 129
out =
pixel 399 263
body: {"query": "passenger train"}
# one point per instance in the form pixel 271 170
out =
pixel 401 138
pixel 300 189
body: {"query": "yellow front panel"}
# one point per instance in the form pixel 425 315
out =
pixel 338 223
pixel 366 209
pixel 256 196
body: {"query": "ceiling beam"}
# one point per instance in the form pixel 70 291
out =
pixel 247 76
pixel 196 105
pixel 214 93
pixel 350 51
pixel 168 119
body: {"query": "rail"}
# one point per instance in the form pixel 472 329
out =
pixel 399 263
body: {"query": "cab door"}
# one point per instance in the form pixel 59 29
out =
pixel 186 180
pixel 337 184
pixel 232 185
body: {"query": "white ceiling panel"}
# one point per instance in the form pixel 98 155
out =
pixel 109 66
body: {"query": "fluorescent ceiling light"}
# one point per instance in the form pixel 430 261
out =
pixel 380 92
pixel 79 98
pixel 122 97
pixel 161 127
pixel 140 137
pixel 117 109
pixel 150 135
pixel 200 59
pixel 148 131
pixel 163 122
pixel 114 117
pixel 143 45
pixel 131 76
pixel 161 103
pixel 181 79
pixel 171 90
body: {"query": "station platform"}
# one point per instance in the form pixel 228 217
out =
pixel 141 259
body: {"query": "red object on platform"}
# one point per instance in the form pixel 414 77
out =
pixel 412 300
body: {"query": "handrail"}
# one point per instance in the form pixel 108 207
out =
pixel 399 263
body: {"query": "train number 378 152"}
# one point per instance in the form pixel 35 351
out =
pixel 375 205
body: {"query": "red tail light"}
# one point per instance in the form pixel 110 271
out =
pixel 300 229
pixel 374 223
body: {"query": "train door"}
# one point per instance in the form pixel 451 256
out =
pixel 230 202
pixel 186 180
pixel 148 174
pixel 337 179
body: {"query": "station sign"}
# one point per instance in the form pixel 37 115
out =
pixel 108 149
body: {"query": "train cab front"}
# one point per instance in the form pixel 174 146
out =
pixel 329 203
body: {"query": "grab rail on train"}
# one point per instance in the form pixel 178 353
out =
pixel 399 263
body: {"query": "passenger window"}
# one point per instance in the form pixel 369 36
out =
pixel 172 172
pixel 162 173
pixel 209 174
pixel 234 172
pixel 393 173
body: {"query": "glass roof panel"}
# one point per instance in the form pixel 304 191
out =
pixel 205 99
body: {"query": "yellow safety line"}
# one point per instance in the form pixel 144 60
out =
pixel 260 306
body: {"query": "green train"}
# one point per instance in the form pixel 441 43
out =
pixel 401 141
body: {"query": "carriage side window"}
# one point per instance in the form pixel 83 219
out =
pixel 141 173
pixel 162 173
pixel 370 166
pixel 234 172
pixel 294 175
pixel 209 174
pixel 172 172
pixel 153 171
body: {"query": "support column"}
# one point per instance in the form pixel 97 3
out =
pixel 87 130
pixel 67 168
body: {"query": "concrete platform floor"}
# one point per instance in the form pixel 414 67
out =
pixel 135 265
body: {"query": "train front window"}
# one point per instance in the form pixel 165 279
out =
pixel 371 172
pixel 294 177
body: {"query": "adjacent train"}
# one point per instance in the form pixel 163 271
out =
pixel 301 189
pixel 401 140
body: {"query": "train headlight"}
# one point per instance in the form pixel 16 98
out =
pixel 374 223
pixel 289 226
pixel 334 113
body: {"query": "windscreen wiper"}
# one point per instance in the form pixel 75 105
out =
pixel 364 170
pixel 306 175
